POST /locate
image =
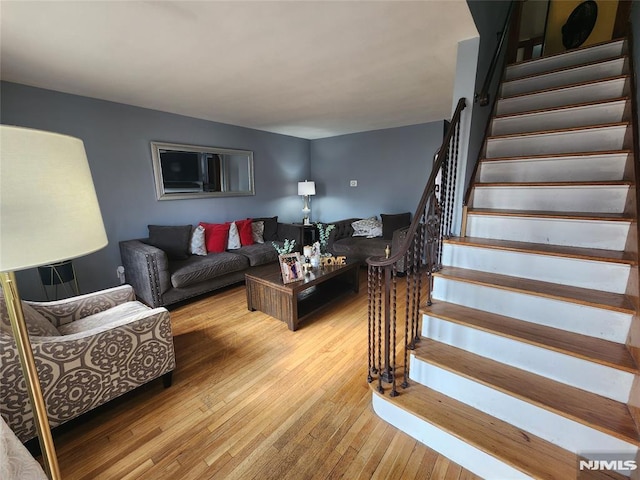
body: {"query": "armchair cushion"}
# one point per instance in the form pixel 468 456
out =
pixel 35 322
pixel 107 318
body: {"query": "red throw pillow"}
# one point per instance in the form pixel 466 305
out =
pixel 215 236
pixel 246 233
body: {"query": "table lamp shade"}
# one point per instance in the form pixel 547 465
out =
pixel 306 188
pixel 49 211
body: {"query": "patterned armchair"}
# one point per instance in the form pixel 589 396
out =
pixel 88 350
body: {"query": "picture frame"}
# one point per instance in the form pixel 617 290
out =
pixel 291 267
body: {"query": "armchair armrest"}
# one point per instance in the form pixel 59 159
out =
pixel 81 371
pixel 61 312
pixel 146 268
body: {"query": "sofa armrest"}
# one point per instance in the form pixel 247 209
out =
pixel 61 312
pixel 146 268
pixel 79 372
pixel 343 230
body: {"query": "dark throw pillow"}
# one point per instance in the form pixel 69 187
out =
pixel 391 223
pixel 174 240
pixel 270 228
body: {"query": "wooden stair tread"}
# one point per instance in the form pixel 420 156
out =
pixel 594 254
pixel 561 107
pixel 513 446
pixel 622 217
pixel 560 54
pixel 597 350
pixel 592 183
pixel 583 296
pixel 557 130
pixel 571 85
pixel 558 155
pixel 567 68
pixel 592 410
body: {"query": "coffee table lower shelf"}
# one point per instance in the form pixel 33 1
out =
pixel 294 302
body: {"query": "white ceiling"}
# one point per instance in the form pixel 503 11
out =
pixel 310 69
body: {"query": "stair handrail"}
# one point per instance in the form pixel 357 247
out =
pixel 426 194
pixel 483 97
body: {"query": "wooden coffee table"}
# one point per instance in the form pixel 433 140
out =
pixel 294 302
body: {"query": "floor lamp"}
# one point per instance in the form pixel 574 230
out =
pixel 48 213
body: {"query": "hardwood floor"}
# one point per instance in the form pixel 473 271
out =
pixel 251 399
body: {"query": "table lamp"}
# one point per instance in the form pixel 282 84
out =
pixel 305 189
pixel 49 212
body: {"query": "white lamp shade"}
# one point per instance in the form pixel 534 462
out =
pixel 49 211
pixel 306 188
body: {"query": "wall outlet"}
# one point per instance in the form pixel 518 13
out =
pixel 353 183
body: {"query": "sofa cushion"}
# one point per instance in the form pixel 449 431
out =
pixel 215 235
pixel 245 231
pixel 270 228
pixel 368 227
pixel 199 269
pixel 391 223
pixel 233 243
pixel 197 245
pixel 172 239
pixel 259 253
pixel 257 231
pixel 360 248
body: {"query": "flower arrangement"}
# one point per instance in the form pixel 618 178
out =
pixel 288 246
pixel 324 232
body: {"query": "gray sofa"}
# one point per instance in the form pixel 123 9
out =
pixel 342 242
pixel 160 281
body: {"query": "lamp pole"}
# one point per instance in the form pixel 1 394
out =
pixel 23 345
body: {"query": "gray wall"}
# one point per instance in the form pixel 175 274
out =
pixel 489 16
pixel 391 166
pixel 116 139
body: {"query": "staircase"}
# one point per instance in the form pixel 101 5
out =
pixel 523 365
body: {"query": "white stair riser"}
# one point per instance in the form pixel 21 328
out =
pixel 589 376
pixel 592 139
pixel 450 446
pixel 597 71
pixel 559 169
pixel 604 276
pixel 606 90
pixel 575 57
pixel 607 235
pixel 587 199
pixel 572 317
pixel 599 114
pixel 559 430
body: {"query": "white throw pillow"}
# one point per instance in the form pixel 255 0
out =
pixel 234 237
pixel 197 245
pixel 368 227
